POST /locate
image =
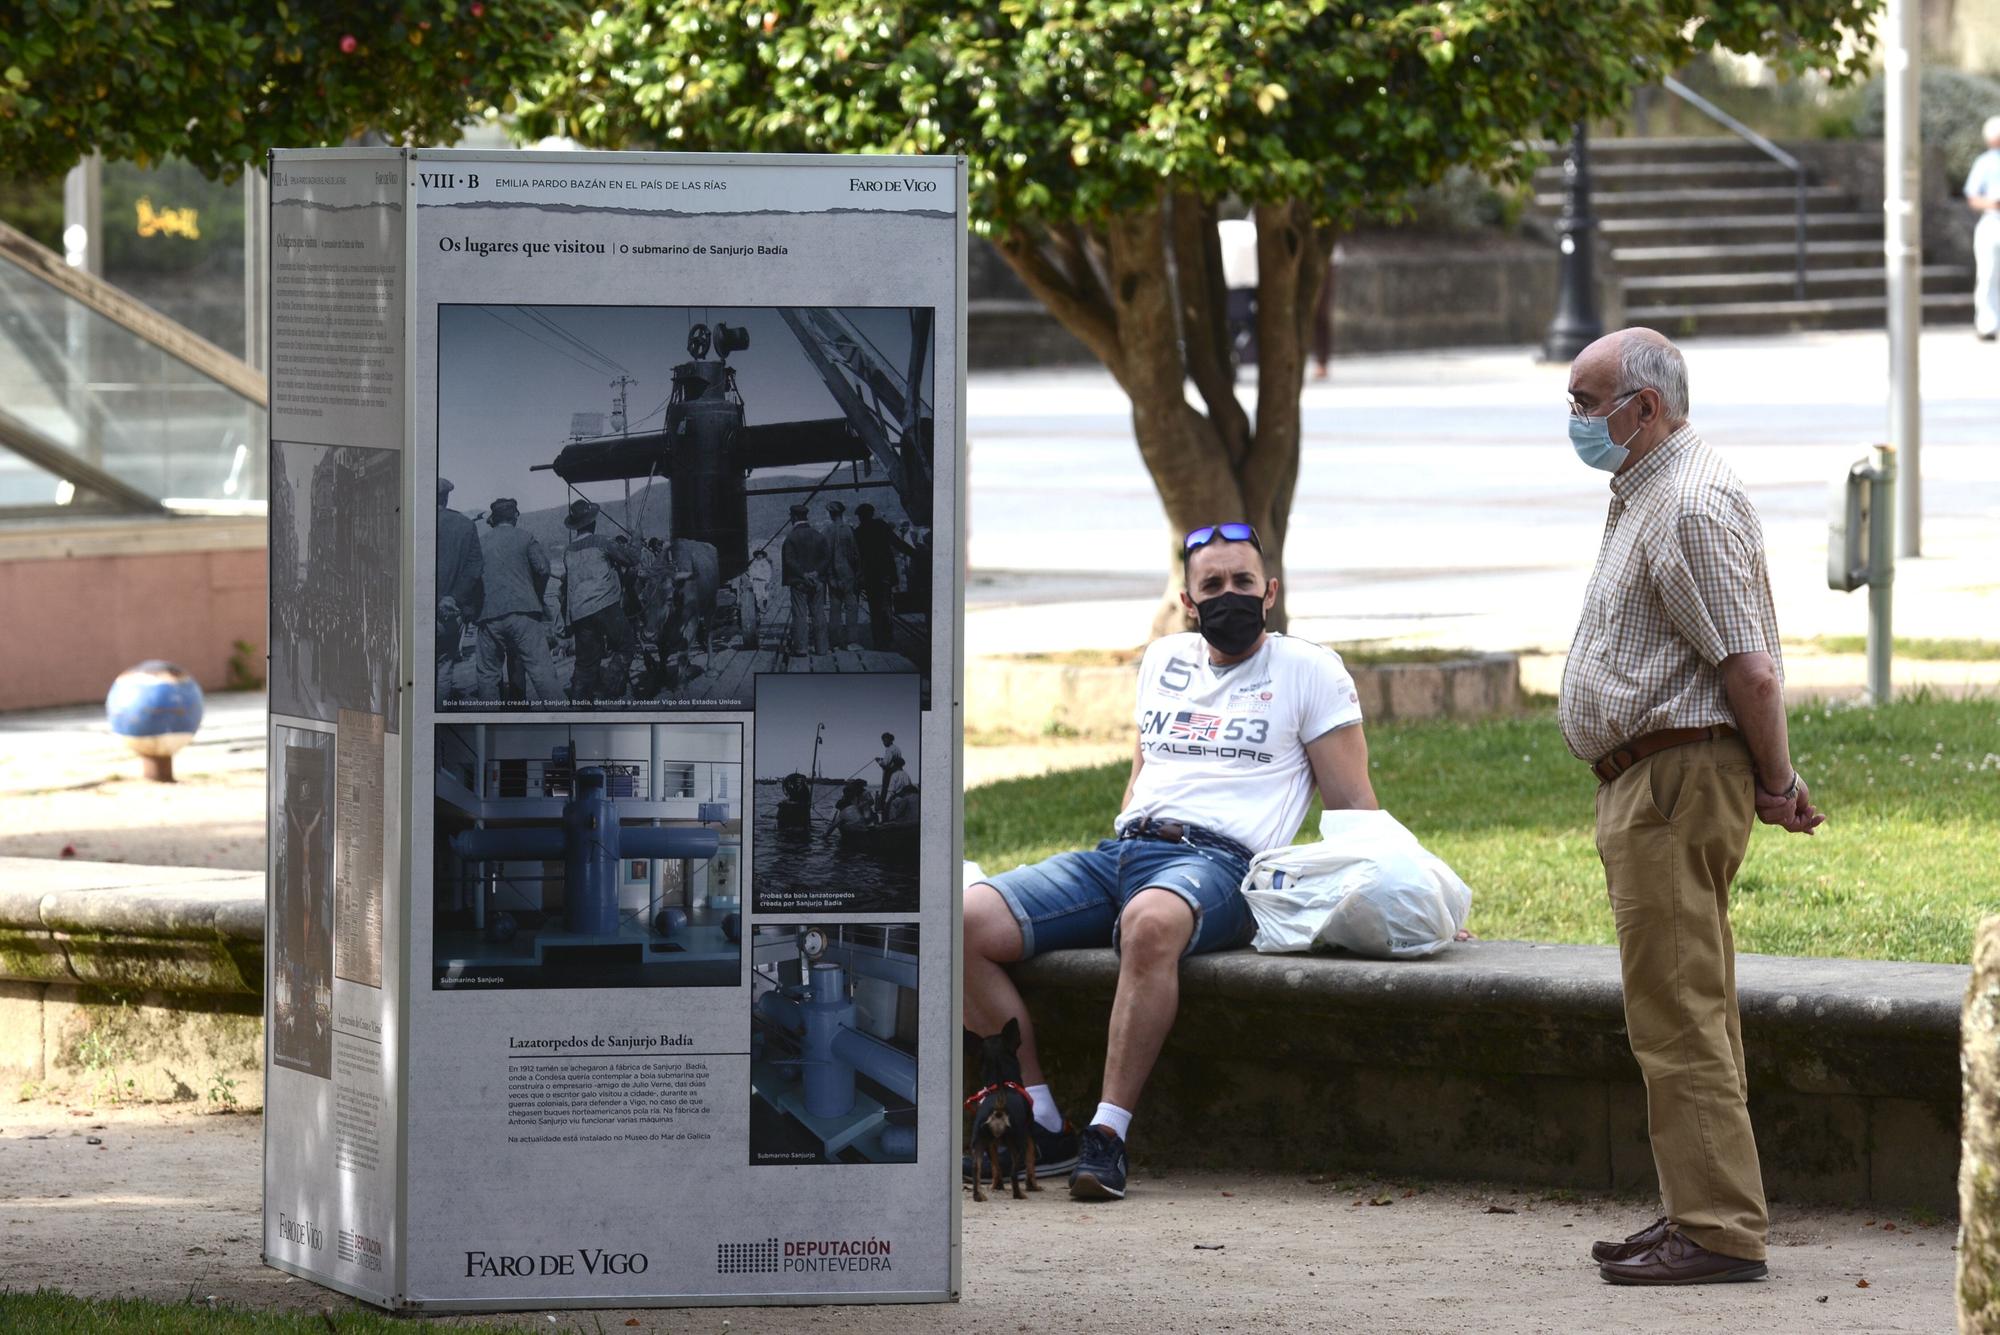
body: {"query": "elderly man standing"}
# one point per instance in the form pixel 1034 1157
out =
pixel 1982 192
pixel 1674 694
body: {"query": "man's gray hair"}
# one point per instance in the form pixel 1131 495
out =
pixel 1991 130
pixel 1646 364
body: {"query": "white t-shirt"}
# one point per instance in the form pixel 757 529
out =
pixel 1226 750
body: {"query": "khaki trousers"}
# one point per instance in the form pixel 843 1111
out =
pixel 1672 831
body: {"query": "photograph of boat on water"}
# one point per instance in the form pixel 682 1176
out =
pixel 647 506
pixel 839 794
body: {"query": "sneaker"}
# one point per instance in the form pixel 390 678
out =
pixel 1055 1152
pixel 1100 1167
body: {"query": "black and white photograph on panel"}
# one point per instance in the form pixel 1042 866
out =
pixel 336 563
pixel 650 505
pixel 593 854
pixel 839 788
pixel 833 1043
pixel 302 902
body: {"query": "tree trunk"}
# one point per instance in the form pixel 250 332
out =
pixel 1146 295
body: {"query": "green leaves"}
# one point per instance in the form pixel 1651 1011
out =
pixel 218 83
pixel 1072 110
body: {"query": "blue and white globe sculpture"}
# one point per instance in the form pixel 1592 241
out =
pixel 156 708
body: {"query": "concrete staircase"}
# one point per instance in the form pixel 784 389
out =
pixel 1700 234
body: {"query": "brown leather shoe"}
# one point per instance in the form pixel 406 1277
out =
pixel 1643 1241
pixel 1678 1259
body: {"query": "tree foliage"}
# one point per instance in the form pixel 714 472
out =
pixel 218 83
pixel 1072 110
pixel 1106 137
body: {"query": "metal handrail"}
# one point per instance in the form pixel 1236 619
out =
pixel 93 293
pixel 1769 150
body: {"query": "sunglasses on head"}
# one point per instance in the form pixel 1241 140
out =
pixel 1208 533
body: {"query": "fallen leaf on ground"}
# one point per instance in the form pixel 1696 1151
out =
pixel 1860 1283
pixel 1889 1227
pixel 69 851
pixel 1382 1200
pixel 1210 1246
pixel 1499 1209
pixel 1229 1193
pixel 1822 1298
pixel 631 1320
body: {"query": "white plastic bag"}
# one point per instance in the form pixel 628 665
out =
pixel 1367 886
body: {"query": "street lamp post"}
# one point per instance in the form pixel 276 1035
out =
pixel 1576 323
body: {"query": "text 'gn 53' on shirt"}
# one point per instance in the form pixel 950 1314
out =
pixel 1680 585
pixel 1226 749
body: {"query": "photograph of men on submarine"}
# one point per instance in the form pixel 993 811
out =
pixel 833 1043
pixel 587 855
pixel 839 794
pixel 649 505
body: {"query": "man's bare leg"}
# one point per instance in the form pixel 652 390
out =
pixel 992 942
pixel 1154 929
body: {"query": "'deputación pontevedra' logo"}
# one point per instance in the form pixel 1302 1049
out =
pixel 804 1256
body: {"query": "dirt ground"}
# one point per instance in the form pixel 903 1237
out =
pixel 166 1206
pixel 66 782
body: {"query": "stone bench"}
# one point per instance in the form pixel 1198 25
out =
pixel 1508 1060
pixel 112 973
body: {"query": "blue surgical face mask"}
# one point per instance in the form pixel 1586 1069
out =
pixel 1590 437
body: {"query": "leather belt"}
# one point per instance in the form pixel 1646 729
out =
pixel 1180 832
pixel 1624 757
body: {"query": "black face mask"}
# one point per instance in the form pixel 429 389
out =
pixel 1231 622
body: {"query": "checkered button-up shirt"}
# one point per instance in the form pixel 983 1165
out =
pixel 1680 585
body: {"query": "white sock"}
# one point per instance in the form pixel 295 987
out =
pixel 1112 1116
pixel 1047 1116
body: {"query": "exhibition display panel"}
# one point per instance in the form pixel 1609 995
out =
pixel 614 923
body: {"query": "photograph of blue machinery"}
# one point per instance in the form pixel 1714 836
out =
pixel 588 855
pixel 833 1044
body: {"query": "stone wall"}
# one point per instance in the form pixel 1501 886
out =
pixel 1391 292
pixel 148 991
pixel 86 601
pixel 1508 1060
pixel 1038 697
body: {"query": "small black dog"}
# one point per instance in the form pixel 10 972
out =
pixel 1000 1115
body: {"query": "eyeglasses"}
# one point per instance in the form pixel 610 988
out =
pixel 1201 537
pixel 1617 401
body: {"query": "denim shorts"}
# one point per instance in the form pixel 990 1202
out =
pixel 1073 900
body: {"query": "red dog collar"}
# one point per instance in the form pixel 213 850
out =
pixel 1014 1085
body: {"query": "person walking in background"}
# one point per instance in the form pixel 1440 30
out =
pixel 843 604
pixel 593 608
pixel 1674 695
pixel 513 637
pixel 458 587
pixel 1982 192
pixel 805 556
pixel 878 546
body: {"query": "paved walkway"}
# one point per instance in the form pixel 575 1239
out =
pixel 166 1206
pixel 1439 502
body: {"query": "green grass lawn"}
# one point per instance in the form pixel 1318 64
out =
pixel 1934 651
pixel 46 1312
pixel 1908 861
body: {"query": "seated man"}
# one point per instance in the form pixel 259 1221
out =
pixel 1236 728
